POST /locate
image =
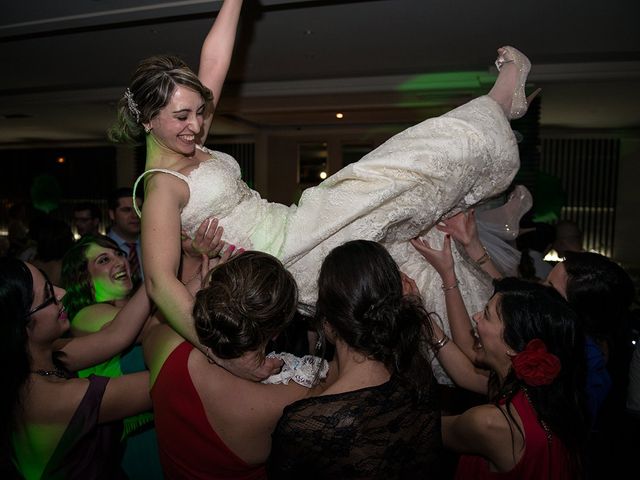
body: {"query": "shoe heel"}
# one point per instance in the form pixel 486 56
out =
pixel 519 103
pixel 533 95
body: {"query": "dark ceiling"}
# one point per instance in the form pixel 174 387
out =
pixel 66 62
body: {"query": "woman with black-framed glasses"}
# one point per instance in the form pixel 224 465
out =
pixel 55 425
pixel 49 297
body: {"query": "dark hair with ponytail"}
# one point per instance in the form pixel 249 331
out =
pixel 360 296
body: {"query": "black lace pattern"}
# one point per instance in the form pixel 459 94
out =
pixel 375 433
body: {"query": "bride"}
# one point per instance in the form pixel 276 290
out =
pixel 397 192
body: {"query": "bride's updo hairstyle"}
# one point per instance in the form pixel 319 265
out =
pixel 361 300
pixel 248 300
pixel 150 90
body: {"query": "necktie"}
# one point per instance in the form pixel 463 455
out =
pixel 134 263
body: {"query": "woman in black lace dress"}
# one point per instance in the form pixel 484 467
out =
pixel 381 417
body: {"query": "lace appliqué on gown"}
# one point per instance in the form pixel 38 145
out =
pixel 305 371
pixel 401 189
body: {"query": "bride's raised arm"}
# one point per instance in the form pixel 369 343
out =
pixel 216 53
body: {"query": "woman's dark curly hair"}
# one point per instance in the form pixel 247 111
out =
pixel 75 276
pixel 248 300
pixel 360 296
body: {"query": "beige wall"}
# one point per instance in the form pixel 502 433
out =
pixel 281 183
pixel 627 232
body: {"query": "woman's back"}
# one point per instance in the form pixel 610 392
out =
pixel 375 432
pixel 224 423
pixel 381 417
pixel 544 455
pixel 59 434
pixel 180 414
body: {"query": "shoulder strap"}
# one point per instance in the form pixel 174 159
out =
pixel 204 149
pixel 154 170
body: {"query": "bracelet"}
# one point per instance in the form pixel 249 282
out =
pixel 437 346
pixel 484 258
pixel 446 289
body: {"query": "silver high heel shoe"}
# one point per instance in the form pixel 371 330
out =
pixel 519 102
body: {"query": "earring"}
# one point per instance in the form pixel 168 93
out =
pixel 147 129
pixel 210 357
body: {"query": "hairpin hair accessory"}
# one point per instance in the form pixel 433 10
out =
pixel 132 105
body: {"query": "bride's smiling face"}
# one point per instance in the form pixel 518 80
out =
pixel 179 123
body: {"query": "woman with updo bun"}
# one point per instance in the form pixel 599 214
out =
pixel 381 417
pixel 210 423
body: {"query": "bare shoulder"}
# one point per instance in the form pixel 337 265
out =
pixel 166 190
pixel 490 418
pixel 164 179
pixel 481 425
pixel 93 318
pixel 486 430
pixel 240 395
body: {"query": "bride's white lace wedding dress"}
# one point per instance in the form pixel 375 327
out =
pixel 398 191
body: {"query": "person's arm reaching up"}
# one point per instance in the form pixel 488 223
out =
pixel 215 56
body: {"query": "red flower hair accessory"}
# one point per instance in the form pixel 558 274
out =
pixel 534 365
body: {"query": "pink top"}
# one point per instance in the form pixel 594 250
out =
pixel 541 459
pixel 189 447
